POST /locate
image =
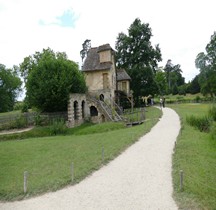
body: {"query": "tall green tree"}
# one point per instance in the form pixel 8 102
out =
pixel 206 63
pixel 135 53
pixel 174 77
pixel 194 86
pixel 10 86
pixel 50 77
pixel 160 78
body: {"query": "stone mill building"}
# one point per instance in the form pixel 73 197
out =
pixel 105 85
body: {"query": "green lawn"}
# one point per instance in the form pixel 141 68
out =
pixel 48 159
pixel 196 156
pixel 10 114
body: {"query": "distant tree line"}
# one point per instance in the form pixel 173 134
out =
pixel 139 58
pixel 135 53
pixel 49 77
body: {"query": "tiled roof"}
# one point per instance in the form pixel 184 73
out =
pixel 122 75
pixel 92 62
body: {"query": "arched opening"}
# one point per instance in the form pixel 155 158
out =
pixel 93 111
pixel 101 97
pixel 83 109
pixel 75 110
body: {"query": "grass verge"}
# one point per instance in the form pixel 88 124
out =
pixel 48 159
pixel 196 155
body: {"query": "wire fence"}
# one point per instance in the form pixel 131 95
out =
pixel 189 175
pixel 54 175
pixel 186 180
pixel 30 181
pixel 23 120
pixel 137 115
pixel 10 118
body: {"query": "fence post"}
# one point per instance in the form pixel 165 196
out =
pixel 181 180
pixel 102 154
pixel 72 171
pixel 25 181
pixel 143 114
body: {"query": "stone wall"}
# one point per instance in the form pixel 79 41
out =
pixel 79 111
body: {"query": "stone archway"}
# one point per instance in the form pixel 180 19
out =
pixel 93 111
pixel 83 109
pixel 101 97
pixel 75 110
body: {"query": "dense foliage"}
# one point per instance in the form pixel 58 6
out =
pixel 160 78
pixel 203 123
pixel 206 63
pixel 174 77
pixel 194 86
pixel 135 53
pixel 50 77
pixel 10 86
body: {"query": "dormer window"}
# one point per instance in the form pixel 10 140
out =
pixel 105 53
pixel 105 56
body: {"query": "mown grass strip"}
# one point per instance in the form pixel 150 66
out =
pixel 48 159
pixel 195 154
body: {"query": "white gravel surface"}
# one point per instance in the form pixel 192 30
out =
pixel 138 179
pixel 15 131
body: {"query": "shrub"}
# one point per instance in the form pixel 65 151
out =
pixel 58 127
pixel 18 105
pixel 24 107
pixel 5 126
pixel 37 119
pixel 213 130
pixel 21 122
pixel 203 124
pixel 212 113
pixel 197 99
pixel 40 120
pixel 179 97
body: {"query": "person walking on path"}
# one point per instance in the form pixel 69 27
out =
pixel 139 178
pixel 163 102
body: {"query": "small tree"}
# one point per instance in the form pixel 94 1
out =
pixel 86 46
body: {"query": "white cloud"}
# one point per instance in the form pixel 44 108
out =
pixel 182 28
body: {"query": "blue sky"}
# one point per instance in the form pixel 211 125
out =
pixel 67 19
pixel 182 28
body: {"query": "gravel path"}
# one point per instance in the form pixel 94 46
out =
pixel 15 131
pixel 140 178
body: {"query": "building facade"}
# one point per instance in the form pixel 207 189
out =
pixel 104 82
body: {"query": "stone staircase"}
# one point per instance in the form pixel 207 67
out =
pixel 109 112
